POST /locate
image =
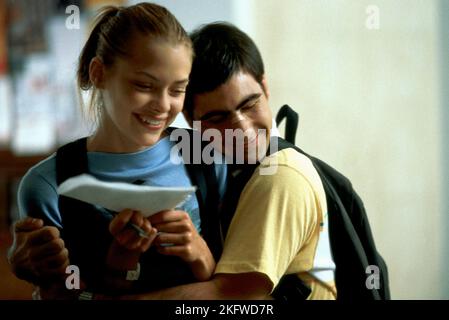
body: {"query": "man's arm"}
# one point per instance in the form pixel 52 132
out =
pixel 250 286
pixel 37 253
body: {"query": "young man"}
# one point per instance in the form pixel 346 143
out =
pixel 280 225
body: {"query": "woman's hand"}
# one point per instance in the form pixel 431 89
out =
pixel 179 237
pixel 128 237
pixel 124 252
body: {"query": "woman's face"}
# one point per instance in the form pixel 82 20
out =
pixel 142 94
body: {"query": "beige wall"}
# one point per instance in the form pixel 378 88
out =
pixel 369 104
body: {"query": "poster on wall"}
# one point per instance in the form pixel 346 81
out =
pixel 5 111
pixel 43 54
pixel 5 93
pixel 34 125
pixel 3 39
pixel 65 46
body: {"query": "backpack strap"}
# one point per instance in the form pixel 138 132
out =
pixel 81 221
pixel 71 160
pixel 204 177
pixel 291 122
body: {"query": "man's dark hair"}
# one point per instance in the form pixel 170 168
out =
pixel 221 50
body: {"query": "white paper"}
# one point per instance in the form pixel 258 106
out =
pixel 117 196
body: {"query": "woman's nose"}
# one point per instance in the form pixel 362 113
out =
pixel 161 102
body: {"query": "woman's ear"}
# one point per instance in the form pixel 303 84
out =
pixel 97 73
pixel 264 85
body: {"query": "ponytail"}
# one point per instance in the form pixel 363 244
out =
pixel 90 48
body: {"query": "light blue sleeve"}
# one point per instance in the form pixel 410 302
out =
pixel 37 195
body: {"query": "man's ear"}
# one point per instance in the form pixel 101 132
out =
pixel 187 117
pixel 264 85
pixel 97 72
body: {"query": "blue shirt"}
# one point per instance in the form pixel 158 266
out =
pixel 38 188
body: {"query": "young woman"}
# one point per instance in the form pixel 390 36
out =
pixel 136 64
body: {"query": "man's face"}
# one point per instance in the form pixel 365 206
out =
pixel 239 106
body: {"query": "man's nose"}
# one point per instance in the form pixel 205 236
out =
pixel 239 121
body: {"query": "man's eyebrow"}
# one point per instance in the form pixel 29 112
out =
pixel 249 98
pixel 149 75
pixel 211 114
pixel 241 104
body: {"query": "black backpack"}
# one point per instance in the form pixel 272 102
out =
pixel 352 243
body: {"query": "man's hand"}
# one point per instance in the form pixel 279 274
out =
pixel 179 237
pixel 38 254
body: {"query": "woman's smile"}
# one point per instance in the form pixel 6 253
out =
pixel 150 122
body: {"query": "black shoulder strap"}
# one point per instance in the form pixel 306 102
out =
pixel 71 160
pixel 291 122
pixel 204 177
pixel 85 231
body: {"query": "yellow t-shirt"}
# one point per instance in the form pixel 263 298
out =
pixel 280 225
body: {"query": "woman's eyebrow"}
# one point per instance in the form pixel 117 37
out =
pixel 149 75
pixel 183 81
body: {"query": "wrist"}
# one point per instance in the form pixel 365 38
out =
pixel 121 258
pixel 203 268
pixel 129 274
pixel 27 274
pixel 121 280
pixel 22 267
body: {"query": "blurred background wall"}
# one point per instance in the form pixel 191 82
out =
pixel 444 93
pixel 373 102
pixel 369 80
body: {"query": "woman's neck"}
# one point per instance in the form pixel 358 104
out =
pixel 110 141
